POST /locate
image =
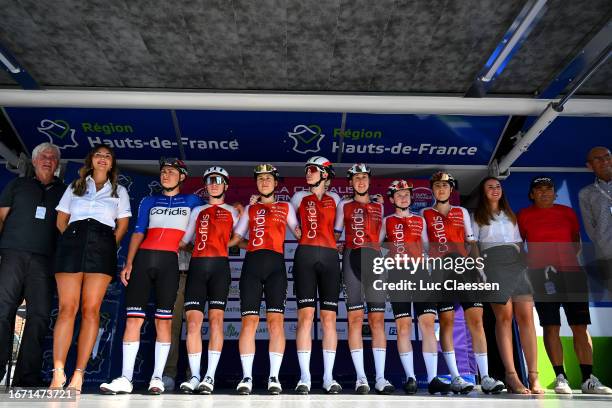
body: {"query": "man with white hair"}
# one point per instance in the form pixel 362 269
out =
pixel 27 245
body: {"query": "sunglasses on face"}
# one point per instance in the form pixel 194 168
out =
pixel 312 169
pixel 214 180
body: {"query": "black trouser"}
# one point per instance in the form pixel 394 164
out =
pixel 24 275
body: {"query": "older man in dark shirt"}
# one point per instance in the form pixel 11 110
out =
pixel 27 243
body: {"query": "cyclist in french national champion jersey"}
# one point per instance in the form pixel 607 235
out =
pixel 316 268
pixel 405 233
pixel 361 219
pixel 263 270
pixel 209 278
pixel 449 230
pixel 152 263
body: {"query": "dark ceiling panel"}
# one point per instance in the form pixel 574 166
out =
pixel 27 41
pixel 63 26
pixel 111 27
pixel 166 36
pixel 311 33
pixel 360 32
pixel 439 46
pixel 214 36
pixel 600 83
pixel 563 30
pixel 6 78
pixel 262 29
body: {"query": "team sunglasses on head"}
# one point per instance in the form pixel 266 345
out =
pixel 312 169
pixel 214 180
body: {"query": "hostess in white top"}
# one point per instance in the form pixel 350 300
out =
pixel 500 231
pixel 99 205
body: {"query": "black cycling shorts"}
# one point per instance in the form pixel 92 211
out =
pixel 208 280
pixel 263 271
pixel 156 270
pixel 358 277
pixel 317 268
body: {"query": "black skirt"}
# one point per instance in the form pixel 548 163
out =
pixel 87 246
pixel 504 265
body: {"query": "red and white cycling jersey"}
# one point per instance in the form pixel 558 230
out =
pixel 405 235
pixel 362 223
pixel 316 217
pixel 212 226
pixel 448 234
pixel 266 224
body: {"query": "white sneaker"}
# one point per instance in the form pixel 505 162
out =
pixel 245 386
pixel 156 386
pixel 362 386
pixel 331 386
pixel 594 386
pixel 188 387
pixel 302 387
pixel 207 385
pixel 561 385
pixel 120 385
pixel 383 386
pixel 274 386
pixel 490 385
pixel 460 386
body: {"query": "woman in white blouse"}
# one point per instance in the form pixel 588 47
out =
pixel 92 217
pixel 496 229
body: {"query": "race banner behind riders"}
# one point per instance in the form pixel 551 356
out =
pixel 140 134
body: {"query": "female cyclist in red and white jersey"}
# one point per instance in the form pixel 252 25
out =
pixel 361 219
pixel 316 268
pixel 208 280
pixel 449 230
pixel 264 223
pixel 405 233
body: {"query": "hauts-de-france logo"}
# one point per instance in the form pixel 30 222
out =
pixel 306 138
pixel 59 132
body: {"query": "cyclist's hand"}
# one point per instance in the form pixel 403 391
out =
pixel 125 274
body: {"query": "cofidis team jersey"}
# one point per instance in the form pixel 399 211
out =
pixel 448 233
pixel 316 217
pixel 361 222
pixel 212 226
pixel 265 225
pixel 164 220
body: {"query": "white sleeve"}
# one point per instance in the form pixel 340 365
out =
pixel 339 224
pixel 335 196
pixel 64 204
pixel 424 237
pixel 517 233
pixel 383 231
pixel 475 228
pixel 292 221
pixel 296 200
pixel 190 230
pixel 242 227
pixel 124 209
pixel 235 217
pixel 467 225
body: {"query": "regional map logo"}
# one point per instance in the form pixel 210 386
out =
pixel 59 133
pixel 306 138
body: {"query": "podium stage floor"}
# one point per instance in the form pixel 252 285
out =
pixel 316 400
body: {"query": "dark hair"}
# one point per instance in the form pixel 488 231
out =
pixel 79 186
pixel 483 214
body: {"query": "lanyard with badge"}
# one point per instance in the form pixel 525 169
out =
pixel 41 209
pixel 605 193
